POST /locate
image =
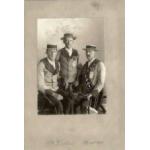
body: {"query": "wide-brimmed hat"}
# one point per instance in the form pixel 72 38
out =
pixel 92 47
pixel 51 46
pixel 68 35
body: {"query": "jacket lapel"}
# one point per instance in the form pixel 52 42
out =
pixel 65 53
pixel 50 67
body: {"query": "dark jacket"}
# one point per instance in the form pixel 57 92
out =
pixel 90 77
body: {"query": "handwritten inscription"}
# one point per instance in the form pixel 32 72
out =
pixel 69 142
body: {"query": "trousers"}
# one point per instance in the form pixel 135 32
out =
pixel 57 103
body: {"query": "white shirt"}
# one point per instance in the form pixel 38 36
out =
pixel 69 51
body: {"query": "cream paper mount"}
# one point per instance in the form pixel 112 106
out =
pixel 99 22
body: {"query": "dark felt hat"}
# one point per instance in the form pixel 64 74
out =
pixel 51 46
pixel 68 35
pixel 92 47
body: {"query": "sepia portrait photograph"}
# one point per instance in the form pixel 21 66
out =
pixel 74 75
pixel 71 68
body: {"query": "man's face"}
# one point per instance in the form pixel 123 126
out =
pixel 90 54
pixel 68 41
pixel 51 53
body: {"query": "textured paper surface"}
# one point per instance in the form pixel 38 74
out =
pixel 77 132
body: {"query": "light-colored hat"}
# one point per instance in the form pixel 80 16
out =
pixel 68 35
pixel 92 47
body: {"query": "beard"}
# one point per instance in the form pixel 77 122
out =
pixel 89 58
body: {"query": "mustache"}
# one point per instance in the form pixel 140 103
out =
pixel 88 55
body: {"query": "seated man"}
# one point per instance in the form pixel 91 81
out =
pixel 48 70
pixel 91 79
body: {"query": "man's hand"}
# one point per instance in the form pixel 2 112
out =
pixel 54 89
pixel 66 85
pixel 89 97
pixel 76 83
pixel 48 91
pixel 95 93
pixel 59 97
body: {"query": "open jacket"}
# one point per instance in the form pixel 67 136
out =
pixel 68 64
pixel 92 77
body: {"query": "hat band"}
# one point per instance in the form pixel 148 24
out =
pixel 51 46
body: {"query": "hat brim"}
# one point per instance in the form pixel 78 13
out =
pixel 74 38
pixel 93 49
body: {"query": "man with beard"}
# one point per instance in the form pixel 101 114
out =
pixel 91 79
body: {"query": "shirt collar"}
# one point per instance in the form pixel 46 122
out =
pixel 51 62
pixel 90 62
pixel 69 50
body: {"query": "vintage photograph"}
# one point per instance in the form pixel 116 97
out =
pixel 71 70
pixel 74 75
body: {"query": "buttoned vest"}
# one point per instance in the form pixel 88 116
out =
pixel 50 73
pixel 68 65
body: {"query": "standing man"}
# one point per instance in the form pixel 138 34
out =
pixel 48 70
pixel 92 78
pixel 68 59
